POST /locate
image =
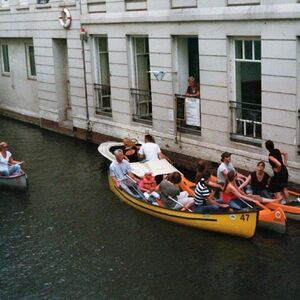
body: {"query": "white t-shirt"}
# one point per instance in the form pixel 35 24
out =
pixel 150 151
pixel 4 161
pixel 223 167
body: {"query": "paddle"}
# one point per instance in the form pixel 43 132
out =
pixel 179 204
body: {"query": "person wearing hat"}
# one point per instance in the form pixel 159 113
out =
pixel 225 167
pixel 8 165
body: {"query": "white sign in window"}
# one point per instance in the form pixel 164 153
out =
pixel 192 111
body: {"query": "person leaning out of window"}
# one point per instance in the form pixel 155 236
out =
pixel 193 89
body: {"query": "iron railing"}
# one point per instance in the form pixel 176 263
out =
pixel 246 119
pixel 103 99
pixel 181 116
pixel 142 105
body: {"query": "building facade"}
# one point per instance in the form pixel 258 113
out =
pixel 120 68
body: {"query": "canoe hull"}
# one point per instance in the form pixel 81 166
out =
pixel 242 224
pixel 291 212
pixel 15 182
pixel 273 220
pixel 268 219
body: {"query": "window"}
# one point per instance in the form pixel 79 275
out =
pixel 4 3
pixel 246 107
pixel 141 92
pixel 135 4
pixel 42 1
pixel 188 109
pixel 102 87
pixel 23 2
pixel 5 60
pixel 31 70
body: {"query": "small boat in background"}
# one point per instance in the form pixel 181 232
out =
pixel 18 182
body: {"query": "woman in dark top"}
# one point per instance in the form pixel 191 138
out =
pixel 193 89
pixel 130 150
pixel 259 181
pixel 279 180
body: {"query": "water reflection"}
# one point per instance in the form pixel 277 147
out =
pixel 71 237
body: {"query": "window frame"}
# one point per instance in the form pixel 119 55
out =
pixel 141 98
pixel 234 103
pixel 29 61
pixel 5 3
pixel 3 71
pixel 99 86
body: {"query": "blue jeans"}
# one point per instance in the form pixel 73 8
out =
pixel 206 208
pixel 12 169
pixel 237 204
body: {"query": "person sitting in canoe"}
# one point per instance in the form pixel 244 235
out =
pixel 130 150
pixel 259 181
pixel 202 167
pixel 120 169
pixel 236 198
pixel 148 186
pixel 8 165
pixel 204 200
pixel 225 167
pixel 170 194
pixel 150 150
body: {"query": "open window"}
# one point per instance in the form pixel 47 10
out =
pixel 31 69
pixel 5 64
pixel 102 85
pixel 188 108
pixel 141 83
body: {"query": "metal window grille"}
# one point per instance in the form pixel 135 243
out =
pixel 181 116
pixel 103 98
pixel 246 119
pixel 142 105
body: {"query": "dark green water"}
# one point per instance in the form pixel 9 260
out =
pixel 71 238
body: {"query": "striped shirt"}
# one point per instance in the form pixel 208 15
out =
pixel 201 193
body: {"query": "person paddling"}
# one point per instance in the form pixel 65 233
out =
pixel 8 165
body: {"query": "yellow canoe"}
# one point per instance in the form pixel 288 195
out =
pixel 270 218
pixel 242 224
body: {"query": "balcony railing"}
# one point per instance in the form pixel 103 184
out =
pixel 103 101
pixel 188 114
pixel 246 121
pixel 142 105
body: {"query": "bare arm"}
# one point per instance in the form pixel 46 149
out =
pixel 245 183
pixel 215 185
pixel 13 162
pixel 116 181
pixel 238 194
pixel 285 156
pixel 212 201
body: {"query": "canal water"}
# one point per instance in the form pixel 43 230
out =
pixel 71 238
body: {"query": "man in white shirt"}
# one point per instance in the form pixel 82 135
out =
pixel 225 167
pixel 150 150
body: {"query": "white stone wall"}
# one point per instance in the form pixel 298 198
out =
pixel 273 22
pixel 276 23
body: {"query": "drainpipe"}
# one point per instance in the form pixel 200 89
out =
pixel 83 38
